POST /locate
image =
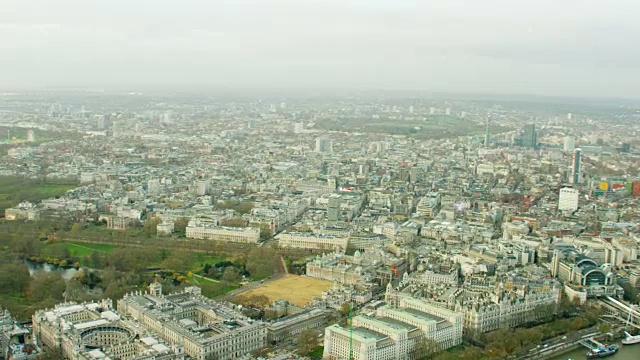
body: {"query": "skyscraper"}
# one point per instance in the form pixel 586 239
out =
pixel 487 134
pixel 333 208
pixel 569 144
pixel 324 145
pixel 530 136
pixel 575 167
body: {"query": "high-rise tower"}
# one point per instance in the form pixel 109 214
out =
pixel 530 136
pixel 487 134
pixel 575 167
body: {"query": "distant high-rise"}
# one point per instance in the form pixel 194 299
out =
pixel 333 208
pixel 31 137
pixel 100 122
pixel 298 127
pixel 569 116
pixel 487 133
pixel 530 136
pixel 568 200
pixel 575 167
pixel 324 145
pixel 447 111
pixel 411 109
pixel 432 110
pixel 569 144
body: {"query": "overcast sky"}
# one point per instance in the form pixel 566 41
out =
pixel 548 47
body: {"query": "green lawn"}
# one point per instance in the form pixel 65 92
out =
pixel 86 249
pixel 14 189
pixel 201 258
pixel 51 190
pixel 18 304
pixel 212 290
pixel 317 353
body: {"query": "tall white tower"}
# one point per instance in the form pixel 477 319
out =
pixel 31 137
pixel 569 144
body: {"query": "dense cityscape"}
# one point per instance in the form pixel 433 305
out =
pixel 185 226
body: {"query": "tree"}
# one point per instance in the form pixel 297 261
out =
pixel 14 278
pixel 424 348
pixel 231 275
pixel 96 260
pixel 179 261
pixel 180 225
pixel 307 342
pixel 234 222
pixel 150 227
pixel 74 290
pixel 262 262
pixel 604 327
pixel 48 285
pixel 345 309
pixel 52 354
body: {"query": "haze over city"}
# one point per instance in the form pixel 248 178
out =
pixel 567 48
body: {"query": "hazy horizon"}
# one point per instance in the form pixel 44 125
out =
pixel 541 48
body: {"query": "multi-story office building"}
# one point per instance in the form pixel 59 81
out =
pixel 429 205
pixel 324 145
pixel 16 342
pixel 290 327
pixel 333 208
pixel 568 200
pixel 306 240
pixel 394 331
pixel 202 230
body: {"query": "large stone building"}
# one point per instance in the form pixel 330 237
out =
pixel 582 276
pixel 290 327
pixel 16 342
pixel 394 331
pixel 505 310
pixel 206 329
pixel 312 241
pixel 92 331
pixel 202 230
pixel 363 269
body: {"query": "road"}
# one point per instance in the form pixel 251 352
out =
pixel 560 341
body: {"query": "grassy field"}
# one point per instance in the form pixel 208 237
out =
pixel 317 353
pixel 201 258
pixel 298 290
pixel 85 249
pixel 13 190
pixel 16 303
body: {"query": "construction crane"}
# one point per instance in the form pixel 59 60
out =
pixel 350 330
